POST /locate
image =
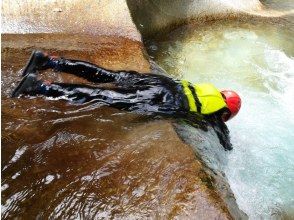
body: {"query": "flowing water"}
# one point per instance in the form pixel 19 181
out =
pixel 257 60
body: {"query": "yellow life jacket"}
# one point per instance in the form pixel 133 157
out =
pixel 208 95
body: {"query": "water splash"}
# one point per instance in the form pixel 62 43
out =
pixel 255 59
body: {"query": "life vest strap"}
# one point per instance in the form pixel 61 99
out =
pixel 197 102
pixel 189 91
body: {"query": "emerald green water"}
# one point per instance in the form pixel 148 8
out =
pixel 255 59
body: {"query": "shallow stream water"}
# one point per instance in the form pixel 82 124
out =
pixel 255 59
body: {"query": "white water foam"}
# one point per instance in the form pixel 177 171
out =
pixel 256 61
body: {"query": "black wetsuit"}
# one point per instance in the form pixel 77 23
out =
pixel 131 91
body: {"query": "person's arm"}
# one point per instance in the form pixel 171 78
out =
pixel 221 130
pixel 195 120
pixel 215 121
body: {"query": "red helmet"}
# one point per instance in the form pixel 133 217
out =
pixel 233 101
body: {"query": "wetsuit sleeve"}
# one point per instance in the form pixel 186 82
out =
pixel 196 121
pixel 221 130
pixel 216 123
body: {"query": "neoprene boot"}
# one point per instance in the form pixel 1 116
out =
pixel 37 61
pixel 27 85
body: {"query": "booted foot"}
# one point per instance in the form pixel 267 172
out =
pixel 37 61
pixel 28 84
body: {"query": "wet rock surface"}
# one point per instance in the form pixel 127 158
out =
pixel 215 159
pixel 152 16
pixel 60 160
pixel 156 18
pixel 99 17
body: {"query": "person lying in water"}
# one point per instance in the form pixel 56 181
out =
pixel 152 94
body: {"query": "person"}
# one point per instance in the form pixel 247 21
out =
pixel 200 105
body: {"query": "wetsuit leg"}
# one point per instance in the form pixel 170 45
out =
pixel 91 72
pixel 96 74
pixel 147 100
